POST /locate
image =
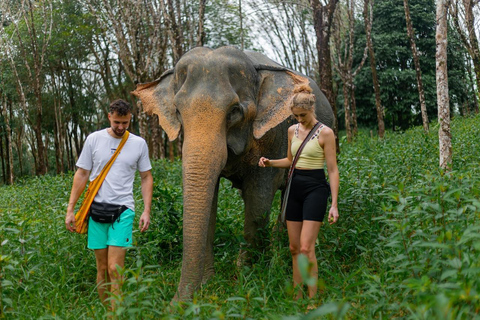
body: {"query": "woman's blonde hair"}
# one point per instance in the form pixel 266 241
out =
pixel 303 97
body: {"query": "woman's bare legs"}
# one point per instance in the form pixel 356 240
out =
pixel 302 237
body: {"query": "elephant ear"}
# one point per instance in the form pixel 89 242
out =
pixel 274 96
pixel 157 97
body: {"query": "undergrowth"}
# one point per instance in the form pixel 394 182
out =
pixel 406 246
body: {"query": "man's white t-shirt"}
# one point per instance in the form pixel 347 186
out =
pixel 117 188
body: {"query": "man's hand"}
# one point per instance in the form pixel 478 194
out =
pixel 79 182
pixel 144 222
pixel 147 191
pixel 70 221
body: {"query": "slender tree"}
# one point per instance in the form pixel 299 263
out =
pixel 462 15
pixel 31 30
pixel 323 18
pixel 201 29
pixel 6 113
pixel 343 43
pixel 288 29
pixel 421 92
pixel 368 19
pixel 444 135
pixel 141 45
pixel 174 27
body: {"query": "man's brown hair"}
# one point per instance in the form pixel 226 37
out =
pixel 121 107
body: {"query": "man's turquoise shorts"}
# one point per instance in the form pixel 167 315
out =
pixel 118 234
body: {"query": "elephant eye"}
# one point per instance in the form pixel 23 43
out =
pixel 235 115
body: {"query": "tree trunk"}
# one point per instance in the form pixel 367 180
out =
pixel 421 93
pixel 173 28
pixel 19 144
pixel 4 174
pixel 470 40
pixel 57 128
pixel 348 116
pixel 69 146
pixel 201 20
pixel 322 19
pixel 470 24
pixel 344 48
pixel 40 167
pixel 470 77
pixel 444 135
pixel 57 143
pixel 6 107
pixel 353 103
pixel 242 46
pixel 10 173
pixel 368 17
pixel 171 151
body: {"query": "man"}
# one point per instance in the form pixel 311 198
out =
pixel 110 240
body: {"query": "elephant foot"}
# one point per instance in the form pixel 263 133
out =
pixel 184 293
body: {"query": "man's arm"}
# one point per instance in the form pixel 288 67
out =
pixel 80 180
pixel 147 191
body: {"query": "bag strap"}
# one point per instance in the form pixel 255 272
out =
pixel 97 182
pixel 292 167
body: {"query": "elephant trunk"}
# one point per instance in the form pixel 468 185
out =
pixel 205 155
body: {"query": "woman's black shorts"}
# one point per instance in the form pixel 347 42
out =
pixel 309 192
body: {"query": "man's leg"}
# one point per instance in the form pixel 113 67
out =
pixel 116 258
pixel 103 279
pixel 119 238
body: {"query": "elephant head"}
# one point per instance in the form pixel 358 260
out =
pixel 225 100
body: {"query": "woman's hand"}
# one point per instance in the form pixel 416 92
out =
pixel 264 162
pixel 333 215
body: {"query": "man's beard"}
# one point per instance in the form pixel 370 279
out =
pixel 119 133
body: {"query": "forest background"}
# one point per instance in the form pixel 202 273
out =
pixel 62 62
pixel 407 243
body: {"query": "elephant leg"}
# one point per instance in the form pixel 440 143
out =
pixel 258 192
pixel 209 270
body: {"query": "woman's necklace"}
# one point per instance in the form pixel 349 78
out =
pixel 307 129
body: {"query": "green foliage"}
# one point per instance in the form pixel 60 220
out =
pixel 396 68
pixel 222 25
pixel 406 246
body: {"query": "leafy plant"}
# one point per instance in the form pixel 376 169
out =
pixel 406 245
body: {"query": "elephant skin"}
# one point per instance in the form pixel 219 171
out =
pixel 232 106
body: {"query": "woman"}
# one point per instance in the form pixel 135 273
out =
pixel 307 201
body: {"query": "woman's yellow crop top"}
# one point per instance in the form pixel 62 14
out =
pixel 312 156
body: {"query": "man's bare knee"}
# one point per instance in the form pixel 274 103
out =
pixel 113 270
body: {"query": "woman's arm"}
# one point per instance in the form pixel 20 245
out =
pixel 327 141
pixel 280 163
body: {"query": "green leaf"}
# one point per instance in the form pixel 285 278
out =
pixel 236 299
pixel 448 274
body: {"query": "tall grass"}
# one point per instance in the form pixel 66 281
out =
pixel 406 246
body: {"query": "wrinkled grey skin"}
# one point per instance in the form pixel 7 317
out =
pixel 233 108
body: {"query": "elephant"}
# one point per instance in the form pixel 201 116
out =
pixel 232 106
